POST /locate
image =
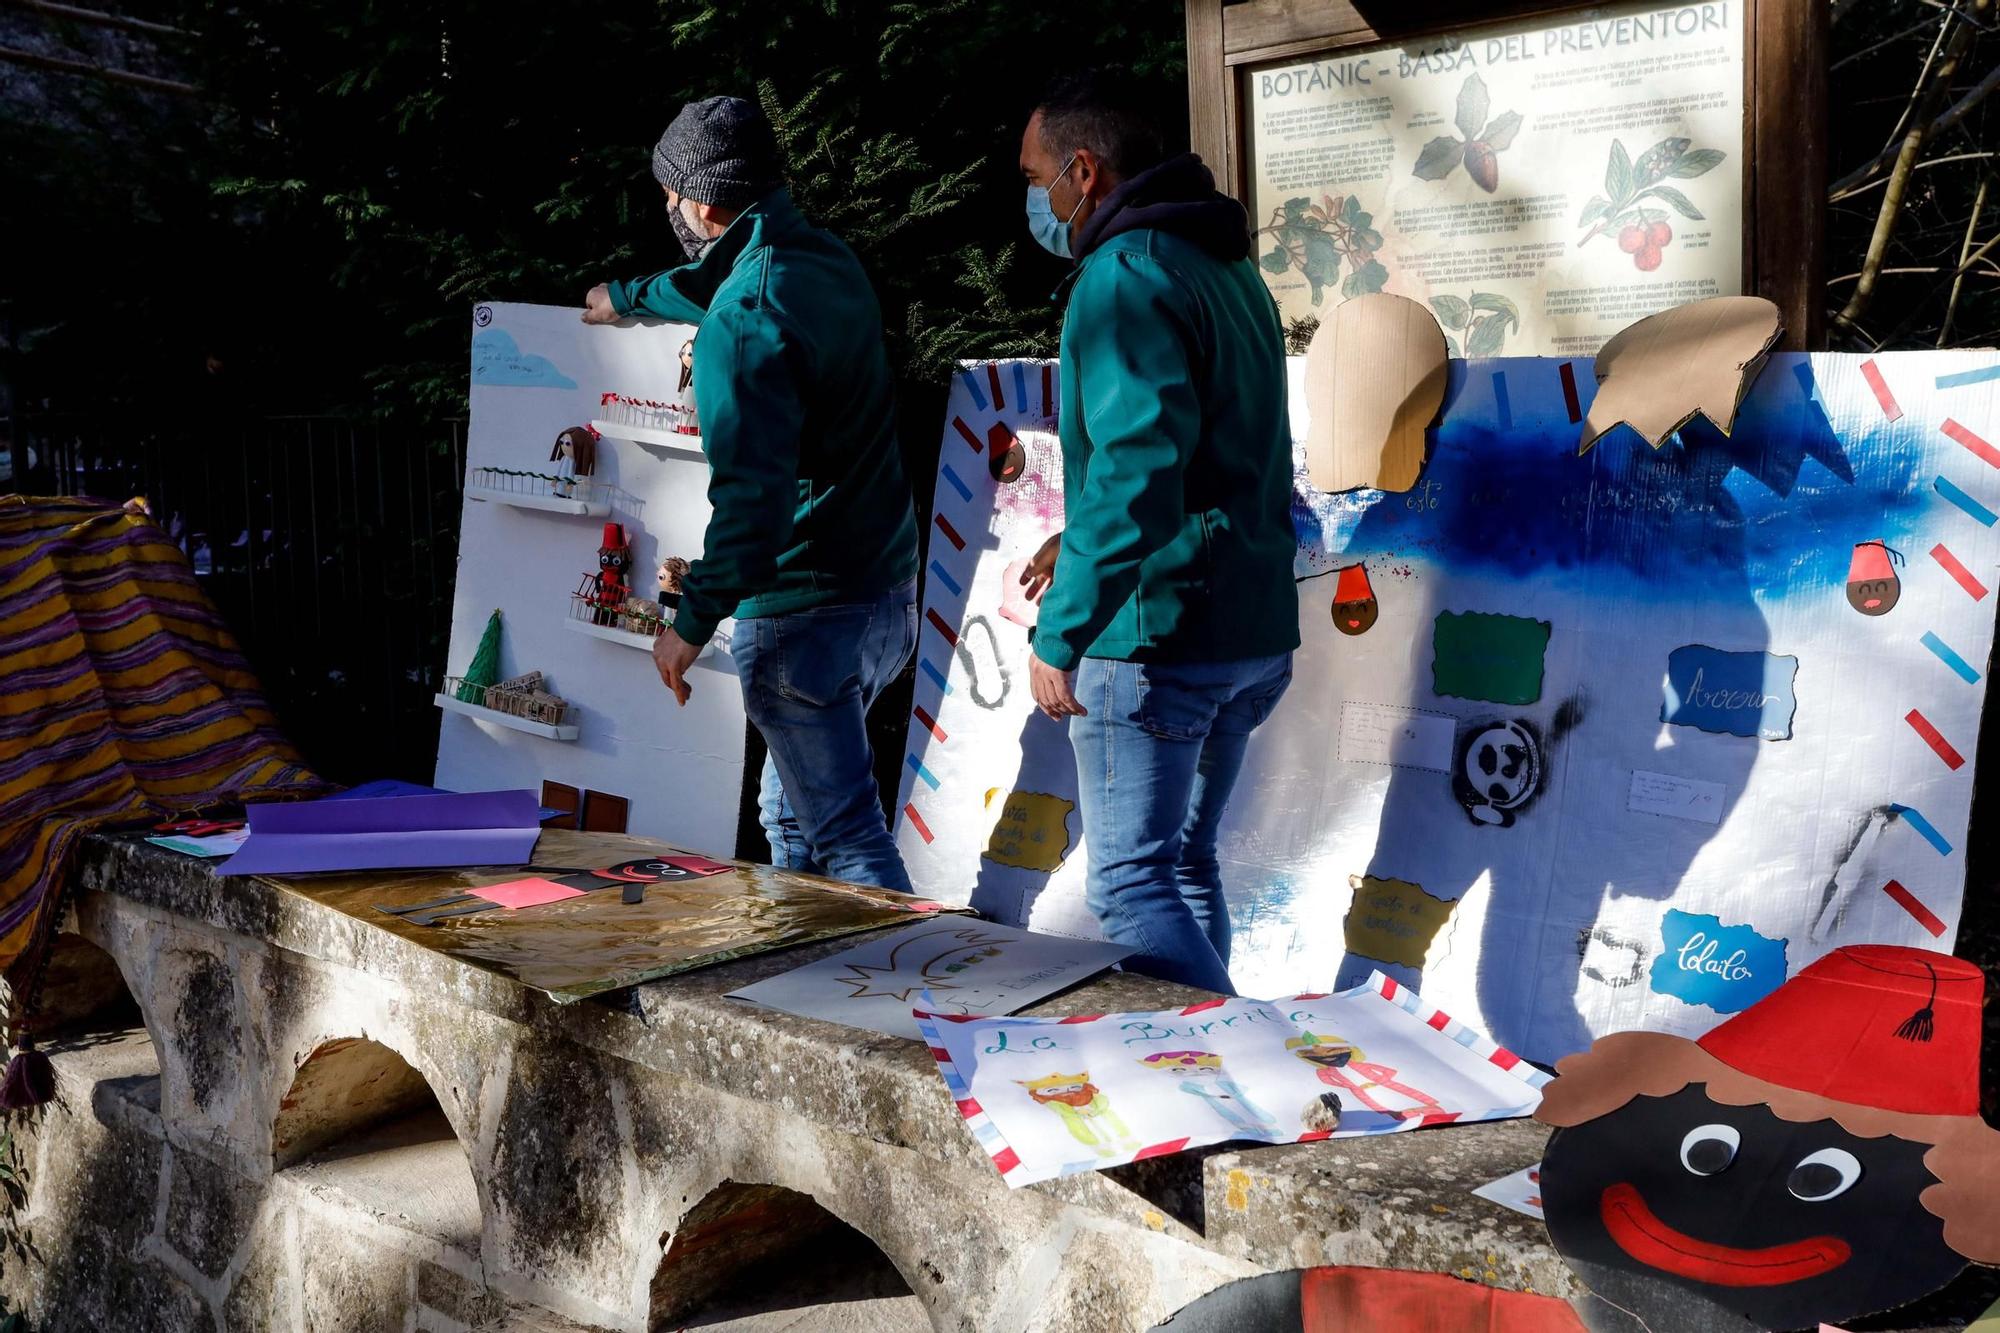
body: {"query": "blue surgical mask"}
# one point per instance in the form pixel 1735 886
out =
pixel 1050 231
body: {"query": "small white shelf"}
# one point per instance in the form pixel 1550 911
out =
pixel 555 504
pixel 565 732
pixel 612 634
pixel 655 437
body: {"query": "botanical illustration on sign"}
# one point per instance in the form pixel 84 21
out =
pixel 1643 232
pixel 1484 140
pixel 1484 320
pixel 1315 237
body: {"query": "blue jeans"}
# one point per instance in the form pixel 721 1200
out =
pixel 1157 754
pixel 808 681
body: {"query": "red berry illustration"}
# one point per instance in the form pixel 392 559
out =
pixel 1659 234
pixel 1631 239
pixel 1648 258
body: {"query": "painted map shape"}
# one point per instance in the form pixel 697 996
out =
pixel 1731 694
pixel 1727 968
pixel 1393 920
pixel 1032 832
pixel 1479 655
pixel 497 359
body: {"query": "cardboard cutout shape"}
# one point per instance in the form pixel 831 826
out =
pixel 1872 586
pixel 1375 379
pixel 1816 1158
pixel 1655 375
pixel 1355 609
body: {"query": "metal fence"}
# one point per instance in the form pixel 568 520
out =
pixel 330 546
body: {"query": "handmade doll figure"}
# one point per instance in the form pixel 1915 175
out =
pixel 575 453
pixel 687 367
pixel 1200 1075
pixel 606 590
pixel 672 570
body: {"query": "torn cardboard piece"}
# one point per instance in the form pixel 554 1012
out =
pixel 1375 379
pixel 1656 375
pixel 1816 1158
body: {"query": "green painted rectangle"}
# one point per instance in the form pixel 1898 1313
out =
pixel 1478 655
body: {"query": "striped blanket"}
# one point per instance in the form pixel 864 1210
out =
pixel 123 699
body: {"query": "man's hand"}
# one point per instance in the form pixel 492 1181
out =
pixel 1041 570
pixel 597 306
pixel 1053 690
pixel 672 656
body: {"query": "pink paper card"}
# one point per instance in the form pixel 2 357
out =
pixel 527 892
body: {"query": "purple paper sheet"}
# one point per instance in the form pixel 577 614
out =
pixel 391 832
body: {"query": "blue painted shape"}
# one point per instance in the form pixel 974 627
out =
pixel 1924 828
pixel 937 677
pixel 942 575
pixel 497 359
pixel 972 387
pixel 917 766
pixel 1020 387
pixel 957 482
pixel 1732 694
pixel 1727 968
pixel 1978 512
pixel 1969 377
pixel 1502 405
pixel 1950 658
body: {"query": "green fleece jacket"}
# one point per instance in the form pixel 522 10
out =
pixel 797 419
pixel 1177 460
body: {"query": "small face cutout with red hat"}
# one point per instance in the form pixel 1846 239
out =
pixel 1872 585
pixel 1354 605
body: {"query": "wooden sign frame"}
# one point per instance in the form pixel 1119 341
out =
pixel 1784 111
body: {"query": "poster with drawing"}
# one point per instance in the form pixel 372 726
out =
pixel 1540 184
pixel 1051 1097
pixel 966 967
pixel 1575 742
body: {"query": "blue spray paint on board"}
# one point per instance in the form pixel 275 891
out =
pixel 1732 694
pixel 1727 968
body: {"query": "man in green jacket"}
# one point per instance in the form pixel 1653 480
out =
pixel 812 545
pixel 1166 630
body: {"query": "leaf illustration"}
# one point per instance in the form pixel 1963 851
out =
pixel 1322 264
pixel 1697 162
pixel 1592 211
pixel 1452 311
pixel 1368 278
pixel 1331 203
pixel 1499 305
pixel 1654 163
pixel 1450 345
pixel 1482 166
pixel 1678 201
pixel 1295 210
pixel 1277 261
pixel 1368 238
pixel 1500 132
pixel 1618 174
pixel 1473 102
pixel 1440 155
pixel 1489 334
pixel 1350 211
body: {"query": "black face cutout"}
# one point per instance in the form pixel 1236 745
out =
pixel 613 560
pixel 1357 616
pixel 1874 597
pixel 1697 1216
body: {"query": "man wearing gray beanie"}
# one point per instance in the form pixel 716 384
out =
pixel 813 543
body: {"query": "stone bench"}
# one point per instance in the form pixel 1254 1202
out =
pixel 324 1126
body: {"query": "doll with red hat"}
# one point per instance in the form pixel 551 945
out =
pixel 1872 585
pixel 607 589
pixel 1818 1157
pixel 1354 606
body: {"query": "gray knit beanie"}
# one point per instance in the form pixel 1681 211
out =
pixel 719 151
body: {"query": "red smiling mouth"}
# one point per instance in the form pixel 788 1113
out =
pixel 1640 1233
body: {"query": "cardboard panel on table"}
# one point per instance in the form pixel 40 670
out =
pixel 681 768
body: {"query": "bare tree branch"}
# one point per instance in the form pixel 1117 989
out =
pixel 1964 252
pixel 1951 117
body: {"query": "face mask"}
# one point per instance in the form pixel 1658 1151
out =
pixel 688 234
pixel 1050 231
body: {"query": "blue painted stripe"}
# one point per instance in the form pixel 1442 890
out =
pixel 1923 828
pixel 1501 402
pixel 937 677
pixel 944 577
pixel 917 766
pixel 1021 388
pixel 1977 511
pixel 1979 376
pixel 957 483
pixel 972 387
pixel 1466 1037
pixel 1951 659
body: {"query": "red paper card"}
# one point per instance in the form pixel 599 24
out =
pixel 527 892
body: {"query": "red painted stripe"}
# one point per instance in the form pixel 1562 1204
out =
pixel 930 724
pixel 1569 392
pixel 1436 1118
pixel 1438 1020
pixel 1006 1160
pixel 1873 374
pixel 1389 988
pixel 1952 758
pixel 1984 451
pixel 939 1054
pixel 1315 1135
pixel 958 423
pixel 1167 1149
pixel 1080 1018
pixel 917 822
pixel 950 634
pixel 1909 903
pixel 1959 572
pixel 1505 1058
pixel 1216 1003
pixel 969 1108
pixel 950 533
pixel 1048 390
pixel 1312 995
pixel 959 1018
pixel 993 378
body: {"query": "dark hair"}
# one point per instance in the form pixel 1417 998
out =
pixel 1104 113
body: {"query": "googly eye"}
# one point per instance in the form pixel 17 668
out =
pixel 1826 1174
pixel 1708 1149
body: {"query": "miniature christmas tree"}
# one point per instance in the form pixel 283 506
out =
pixel 485 668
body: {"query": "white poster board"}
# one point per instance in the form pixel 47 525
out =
pixel 1541 184
pixel 536 371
